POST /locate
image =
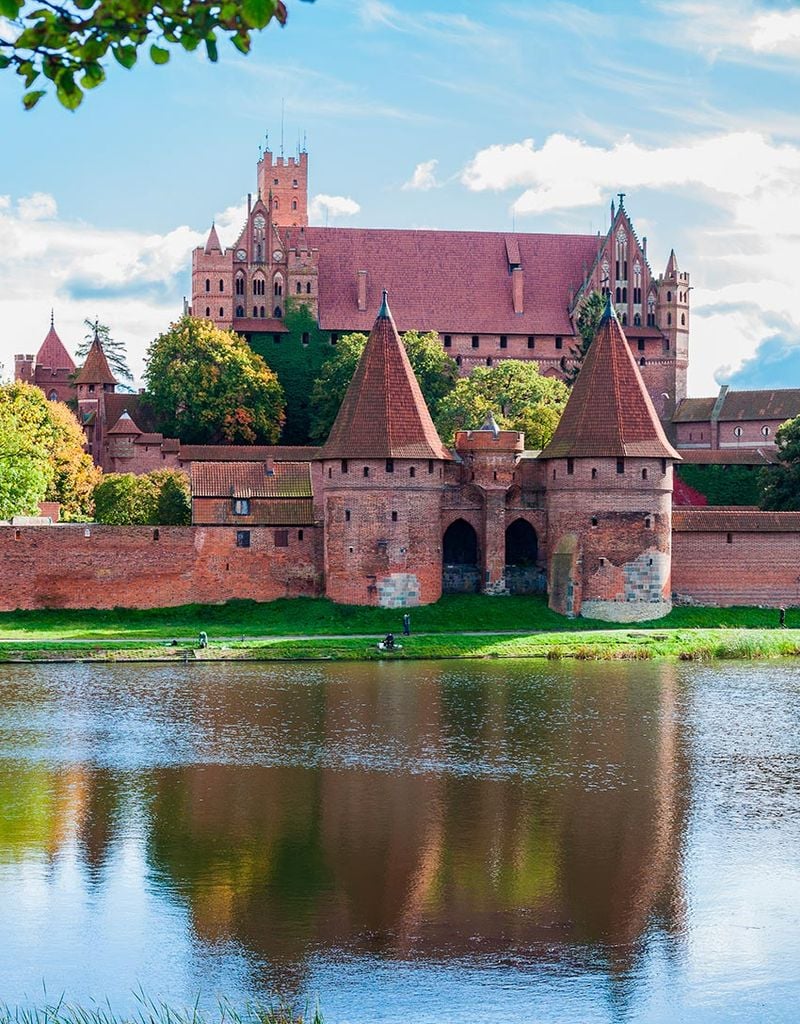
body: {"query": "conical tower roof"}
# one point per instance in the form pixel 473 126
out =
pixel 609 412
pixel 95 369
pixel 383 414
pixel 52 353
pixel 212 243
pixel 672 265
pixel 125 425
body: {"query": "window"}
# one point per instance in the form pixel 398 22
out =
pixel 737 431
pixel 448 340
pixel 241 506
pixel 683 319
pixel 255 311
pixel 305 338
pixel 669 319
pixel 308 287
pixel 559 343
pixel 601 562
pixel 345 466
pixel 594 520
pixel 294 204
pixel 648 523
pixel 765 431
pixel 156 534
pixel 277 312
pixel 640 344
pixel 637 320
pixel 394 517
pixel 53 396
pixel 208 285
pixel 259 286
pixel 663 466
pixel 669 296
pixel 277 287
pixel 390 465
pixel 221 311
pixel 261 312
pixel 430 465
pixel 503 341
pixel 729 538
pixel 275 204
pixel 620 465
pixel 624 294
pixel 644 474
pixel 299 534
pixel 299 288
pixel 239 285
pixel 347 515
pixel 281 538
pixel 476 340
pixel 366 471
pixel 489 361
pixel 242 538
pixel 570 467
pixel 594 473
pixel 412 471
pixel 642 361
pixel 294 184
pixel 208 311
pixel 221 285
pixel 458 360
pixel 531 341
pixel 334 338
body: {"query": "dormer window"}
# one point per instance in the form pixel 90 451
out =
pixel 241 506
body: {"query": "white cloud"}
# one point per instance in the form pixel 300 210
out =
pixel 37 206
pixel 424 177
pixel 735 29
pixel 323 206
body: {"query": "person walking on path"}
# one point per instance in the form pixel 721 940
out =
pixel 406 625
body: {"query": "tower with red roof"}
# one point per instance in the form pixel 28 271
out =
pixel 382 471
pixel 51 369
pixel 93 382
pixel 608 472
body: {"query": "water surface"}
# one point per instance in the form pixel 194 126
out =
pixel 407 842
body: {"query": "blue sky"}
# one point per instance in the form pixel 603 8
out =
pixel 451 115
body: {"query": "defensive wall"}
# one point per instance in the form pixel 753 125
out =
pixel 719 557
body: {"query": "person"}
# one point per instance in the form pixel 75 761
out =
pixel 783 618
pixel 388 642
pixel 406 625
pixel 203 639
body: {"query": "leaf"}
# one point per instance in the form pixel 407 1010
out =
pixel 10 8
pixel 30 99
pixel 211 49
pixel 158 55
pixel 125 55
pixel 69 93
pixel 258 12
pixel 93 76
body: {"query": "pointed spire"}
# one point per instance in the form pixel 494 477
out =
pixel 609 412
pixel 212 244
pixel 52 317
pixel 672 265
pixel 609 313
pixel 95 369
pixel 52 353
pixel 383 415
pixel 613 211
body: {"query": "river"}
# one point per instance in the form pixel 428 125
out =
pixel 415 843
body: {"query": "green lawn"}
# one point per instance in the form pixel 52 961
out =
pixel 314 617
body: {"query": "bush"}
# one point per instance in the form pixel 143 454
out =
pixel 160 498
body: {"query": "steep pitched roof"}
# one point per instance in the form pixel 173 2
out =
pixel 125 425
pixel 672 265
pixel 609 412
pixel 251 480
pixel 383 414
pixel 448 281
pixel 212 243
pixel 96 369
pixel 52 353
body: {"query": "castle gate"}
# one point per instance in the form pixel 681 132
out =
pixel 460 566
pixel 522 574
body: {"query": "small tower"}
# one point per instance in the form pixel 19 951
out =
pixel 121 438
pixel 51 369
pixel 93 382
pixel 609 491
pixel 285 181
pixel 672 314
pixel 212 281
pixel 382 471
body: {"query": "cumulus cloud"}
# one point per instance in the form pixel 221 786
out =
pixel 424 177
pixel 322 207
pixel 37 206
pixel 735 29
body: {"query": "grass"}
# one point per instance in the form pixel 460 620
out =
pixel 318 616
pixel 603 645
pixel 150 1012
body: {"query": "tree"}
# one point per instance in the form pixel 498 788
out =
pixel 515 392
pixel 115 351
pixel 66 43
pixel 206 385
pixel 434 369
pixel 160 498
pixel 174 506
pixel 42 456
pixel 780 484
pixel 588 320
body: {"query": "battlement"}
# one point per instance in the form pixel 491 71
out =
pixel 283 183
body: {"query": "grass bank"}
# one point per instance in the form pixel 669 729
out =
pixel 602 645
pixel 149 1012
pixel 318 617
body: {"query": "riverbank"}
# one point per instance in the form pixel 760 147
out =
pixel 599 645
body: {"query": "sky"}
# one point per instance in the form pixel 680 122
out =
pixel 468 115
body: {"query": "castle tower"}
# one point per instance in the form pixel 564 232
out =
pixel 51 369
pixel 382 481
pixel 212 281
pixel 285 181
pixel 672 314
pixel 121 437
pixel 93 382
pixel 609 491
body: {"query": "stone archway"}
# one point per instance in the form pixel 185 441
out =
pixel 460 559
pixel 522 574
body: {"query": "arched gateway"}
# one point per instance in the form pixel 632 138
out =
pixel 522 574
pixel 460 570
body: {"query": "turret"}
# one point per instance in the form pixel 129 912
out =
pixel 609 491
pixel 93 382
pixel 285 181
pixel 672 315
pixel 212 281
pixel 382 482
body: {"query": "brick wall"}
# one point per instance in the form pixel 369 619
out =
pixel 88 566
pixel 736 568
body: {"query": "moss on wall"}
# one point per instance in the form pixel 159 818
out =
pixel 724 485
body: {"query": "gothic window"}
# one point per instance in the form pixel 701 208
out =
pixel 53 396
pixel 683 319
pixel 604 278
pixel 622 254
pixel 308 287
pixel 239 284
pixel 294 204
pixel 255 310
pixel 208 311
pixel 624 319
pixel 259 237
pixel 669 319
pixel 221 311
pixel 208 285
pixel 259 286
pixel 637 320
pixel 240 310
pixel 642 361
pixel 669 296
pixel 278 313
pixel 275 204
pixel 618 295
pixel 624 294
pixel 299 288
pixel 262 313
pixel 277 286
pixel 221 285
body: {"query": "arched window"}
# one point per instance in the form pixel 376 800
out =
pixel 278 313
pixel 261 313
pixel 239 284
pixel 274 204
pixel 637 320
pixel 53 396
pixel 277 286
pixel 255 311
pixel 618 294
pixel 683 319
pixel 624 294
pixel 624 319
pixel 308 287
pixel 221 285
pixel 208 311
pixel 604 275
pixel 299 288
pixel 294 204
pixel 642 361
pixel 622 255
pixel 208 285
pixel 669 319
pixel 221 311
pixel 669 296
pixel 240 310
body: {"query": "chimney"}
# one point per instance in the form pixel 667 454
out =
pixel 517 290
pixel 362 291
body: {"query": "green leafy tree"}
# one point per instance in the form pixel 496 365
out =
pixel 207 386
pixel 780 484
pixel 587 322
pixel 115 351
pixel 118 500
pixel 42 456
pixel 160 498
pixel 435 370
pixel 518 396
pixel 174 505
pixel 66 45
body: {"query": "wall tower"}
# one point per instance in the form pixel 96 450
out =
pixel 672 313
pixel 285 181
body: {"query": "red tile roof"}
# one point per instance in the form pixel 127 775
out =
pixel 715 520
pixel 246 453
pixel 124 425
pixel 212 244
pixel 383 414
pixel 448 281
pixel 251 480
pixel 728 456
pixel 96 369
pixel 609 412
pixel 52 354
pixel 775 404
pixel 694 410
